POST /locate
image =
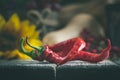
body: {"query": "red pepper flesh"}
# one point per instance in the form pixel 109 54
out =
pixel 63 51
pixel 94 57
pixel 72 50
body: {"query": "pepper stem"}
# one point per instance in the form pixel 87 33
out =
pixel 31 53
pixel 39 49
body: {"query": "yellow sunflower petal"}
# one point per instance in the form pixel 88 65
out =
pixel 1 54
pixel 2 22
pixel 32 30
pixel 29 30
pixel 25 29
pixel 36 34
pixel 13 23
pixel 22 56
pixel 16 54
pixel 34 42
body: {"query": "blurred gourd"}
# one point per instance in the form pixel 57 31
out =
pixel 74 28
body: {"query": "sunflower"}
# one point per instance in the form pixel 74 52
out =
pixel 10 33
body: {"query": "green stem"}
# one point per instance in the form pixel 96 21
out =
pixel 39 49
pixel 31 53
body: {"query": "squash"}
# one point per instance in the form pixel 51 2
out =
pixel 74 28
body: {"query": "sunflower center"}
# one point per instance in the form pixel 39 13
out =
pixel 7 41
